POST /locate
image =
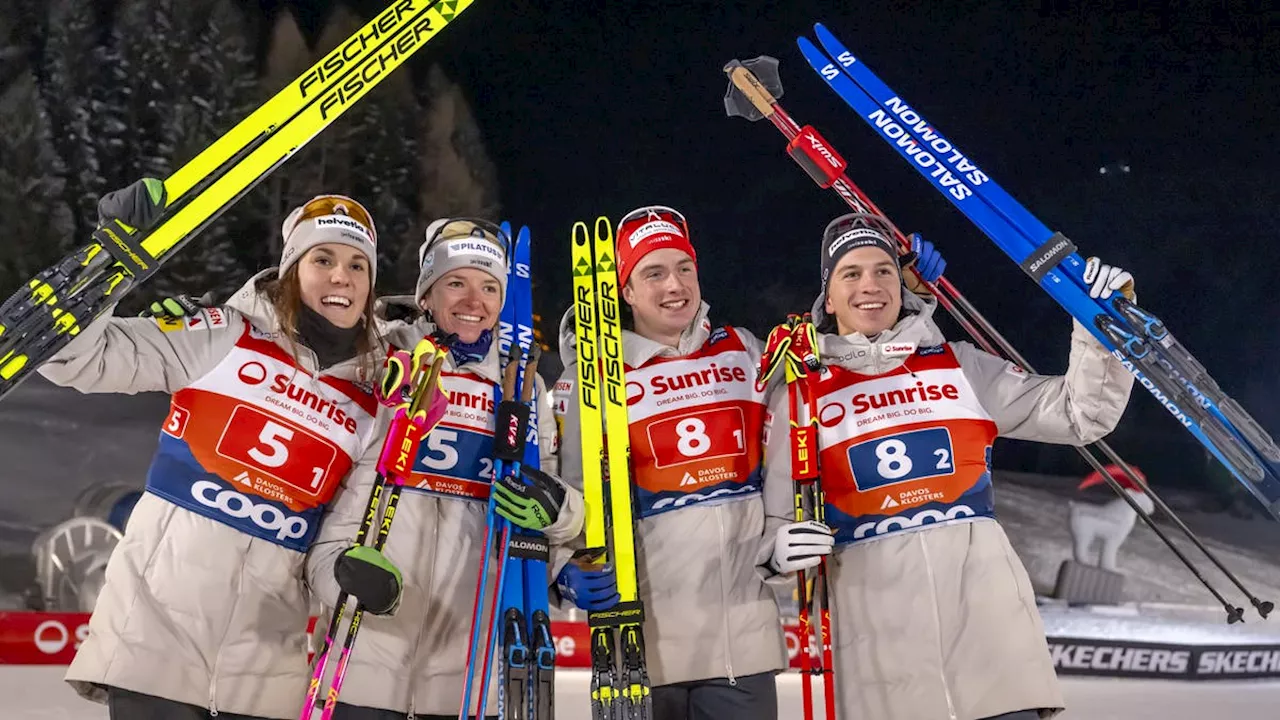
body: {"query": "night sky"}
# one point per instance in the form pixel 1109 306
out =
pixel 595 111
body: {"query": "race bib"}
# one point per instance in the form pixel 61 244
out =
pixel 456 458
pixel 260 445
pixel 696 427
pixel 903 450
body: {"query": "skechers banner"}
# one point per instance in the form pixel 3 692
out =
pixel 32 638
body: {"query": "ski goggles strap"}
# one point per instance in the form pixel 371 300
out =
pixel 325 205
pixel 655 212
pixel 462 227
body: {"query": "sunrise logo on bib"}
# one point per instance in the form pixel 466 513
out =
pixel 456 458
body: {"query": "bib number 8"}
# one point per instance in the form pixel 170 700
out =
pixel 894 462
pixel 696 436
pixel 693 437
pixel 904 457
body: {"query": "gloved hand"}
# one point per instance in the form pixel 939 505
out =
pixel 533 505
pixel 928 262
pixel 1105 279
pixel 590 586
pixel 800 545
pixel 373 579
pixel 177 307
pixel 138 206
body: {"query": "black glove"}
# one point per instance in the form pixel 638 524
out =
pixel 139 205
pixel 371 577
pixel 533 505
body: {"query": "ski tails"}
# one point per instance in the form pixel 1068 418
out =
pixel 1141 342
pixel 44 315
pixel 619 679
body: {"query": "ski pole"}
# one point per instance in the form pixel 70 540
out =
pixel 397 372
pixel 499 527
pixel 522 383
pixel 802 367
pixel 803 445
pixel 399 451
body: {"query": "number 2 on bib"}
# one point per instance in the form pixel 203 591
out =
pixel 458 454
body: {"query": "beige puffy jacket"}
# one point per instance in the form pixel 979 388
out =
pixel 941 622
pixel 194 610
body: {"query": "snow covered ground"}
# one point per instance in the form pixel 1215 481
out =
pixel 1033 511
pixel 38 693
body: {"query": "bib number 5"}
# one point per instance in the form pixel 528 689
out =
pixel 457 453
pixel 287 454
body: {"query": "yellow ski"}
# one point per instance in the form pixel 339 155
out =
pixel 42 317
pixel 619 680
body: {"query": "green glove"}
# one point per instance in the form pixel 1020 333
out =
pixel 532 505
pixel 374 580
pixel 177 307
pixel 137 206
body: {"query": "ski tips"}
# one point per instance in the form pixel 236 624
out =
pixel 607 233
pixel 754 87
pixel 807 47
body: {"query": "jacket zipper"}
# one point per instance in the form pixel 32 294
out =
pixel 217 658
pixel 933 595
pixel 724 595
pixel 417 640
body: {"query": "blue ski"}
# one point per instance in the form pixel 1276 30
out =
pixel 532 546
pixel 522 626
pixel 1140 340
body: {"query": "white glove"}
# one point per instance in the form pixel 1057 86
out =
pixel 1105 279
pixel 800 545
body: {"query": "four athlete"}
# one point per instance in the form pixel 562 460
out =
pixel 267 458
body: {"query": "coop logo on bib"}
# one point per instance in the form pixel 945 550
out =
pixel 265 515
